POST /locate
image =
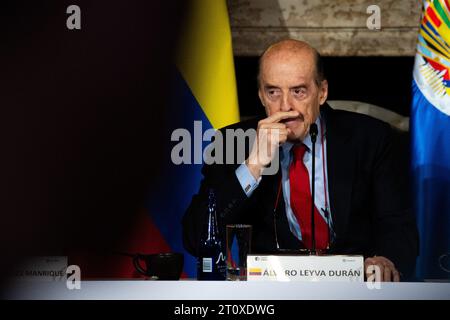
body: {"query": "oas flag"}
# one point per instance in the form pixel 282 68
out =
pixel 430 132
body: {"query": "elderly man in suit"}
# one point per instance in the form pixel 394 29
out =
pixel 362 203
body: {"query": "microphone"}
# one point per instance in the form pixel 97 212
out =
pixel 313 133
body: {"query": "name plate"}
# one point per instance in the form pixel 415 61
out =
pixel 51 268
pixel 305 268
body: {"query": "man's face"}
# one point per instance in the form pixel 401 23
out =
pixel 287 83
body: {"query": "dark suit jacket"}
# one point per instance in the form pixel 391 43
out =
pixel 368 175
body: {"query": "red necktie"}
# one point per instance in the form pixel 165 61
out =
pixel 301 201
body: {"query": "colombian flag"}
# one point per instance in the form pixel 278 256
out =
pixel 430 132
pixel 255 271
pixel 204 90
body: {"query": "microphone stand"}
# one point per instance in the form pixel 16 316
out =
pixel 313 133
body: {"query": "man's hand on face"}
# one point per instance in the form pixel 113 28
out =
pixel 388 272
pixel 271 133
